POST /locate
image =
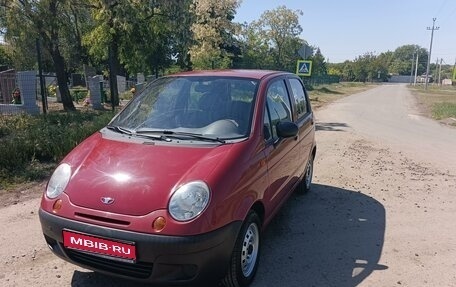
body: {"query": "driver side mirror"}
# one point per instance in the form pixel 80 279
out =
pixel 287 129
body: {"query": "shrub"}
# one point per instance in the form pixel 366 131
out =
pixel 52 91
pixel 32 145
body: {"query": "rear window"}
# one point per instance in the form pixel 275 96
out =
pixel 299 96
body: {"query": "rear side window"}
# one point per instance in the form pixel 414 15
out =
pixel 299 96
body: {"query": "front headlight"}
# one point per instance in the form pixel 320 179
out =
pixel 189 201
pixel 58 181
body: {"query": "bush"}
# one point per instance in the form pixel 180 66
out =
pixel 32 145
pixel 52 91
pixel 79 93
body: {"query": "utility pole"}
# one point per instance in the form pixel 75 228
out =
pixel 440 71
pixel 411 72
pixel 430 50
pixel 416 66
pixel 454 71
pixel 436 70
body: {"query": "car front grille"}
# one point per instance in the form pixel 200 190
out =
pixel 135 270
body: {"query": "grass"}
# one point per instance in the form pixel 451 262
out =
pixel 324 94
pixel 31 146
pixel 438 102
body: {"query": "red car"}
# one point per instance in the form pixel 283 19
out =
pixel 179 186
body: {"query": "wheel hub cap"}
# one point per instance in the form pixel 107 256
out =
pixel 249 252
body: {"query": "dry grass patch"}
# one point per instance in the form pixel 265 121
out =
pixel 437 102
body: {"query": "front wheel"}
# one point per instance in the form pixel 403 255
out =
pixel 246 253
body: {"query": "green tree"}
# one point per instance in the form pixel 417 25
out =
pixel 255 48
pixel 182 19
pixel 404 57
pixel 362 67
pixel 318 64
pixel 335 69
pixel 139 36
pixel 44 20
pixel 212 32
pixel 5 57
pixel 280 29
pixel 348 72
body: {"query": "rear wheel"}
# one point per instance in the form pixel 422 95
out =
pixel 306 182
pixel 245 256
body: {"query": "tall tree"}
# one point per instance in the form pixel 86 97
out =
pixel 42 20
pixel 138 36
pixel 212 31
pixel 403 59
pixel 103 40
pixel 281 29
pixel 255 48
pixel 5 56
pixel 318 64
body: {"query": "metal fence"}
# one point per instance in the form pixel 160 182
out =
pixel 320 80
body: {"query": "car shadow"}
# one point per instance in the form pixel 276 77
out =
pixel 328 237
pixel 331 127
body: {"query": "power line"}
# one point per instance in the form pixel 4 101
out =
pixel 441 7
pixel 448 17
pixel 430 50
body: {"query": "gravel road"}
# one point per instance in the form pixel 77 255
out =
pixel 382 211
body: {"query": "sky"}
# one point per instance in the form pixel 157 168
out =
pixel 346 29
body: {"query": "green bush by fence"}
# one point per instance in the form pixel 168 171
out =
pixel 320 80
pixel 28 141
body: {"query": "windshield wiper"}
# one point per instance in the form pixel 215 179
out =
pixel 182 134
pixel 121 130
pixel 135 134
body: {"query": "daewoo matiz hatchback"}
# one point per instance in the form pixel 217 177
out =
pixel 179 186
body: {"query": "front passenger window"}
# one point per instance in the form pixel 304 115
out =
pixel 278 105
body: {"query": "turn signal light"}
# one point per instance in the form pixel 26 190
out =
pixel 159 223
pixel 57 206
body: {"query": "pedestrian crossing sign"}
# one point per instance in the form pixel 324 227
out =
pixel 304 68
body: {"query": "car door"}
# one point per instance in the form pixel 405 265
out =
pixel 304 120
pixel 281 153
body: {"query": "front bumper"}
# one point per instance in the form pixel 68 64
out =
pixel 161 259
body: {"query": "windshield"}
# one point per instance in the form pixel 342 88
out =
pixel 219 107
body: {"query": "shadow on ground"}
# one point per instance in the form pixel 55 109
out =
pixel 331 127
pixel 328 237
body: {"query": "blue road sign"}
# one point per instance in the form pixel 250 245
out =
pixel 304 68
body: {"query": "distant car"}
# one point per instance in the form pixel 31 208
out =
pixel 179 186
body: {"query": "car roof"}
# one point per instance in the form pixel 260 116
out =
pixel 244 73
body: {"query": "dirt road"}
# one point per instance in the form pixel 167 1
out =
pixel 382 211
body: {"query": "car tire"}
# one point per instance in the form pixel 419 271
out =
pixel 306 182
pixel 246 254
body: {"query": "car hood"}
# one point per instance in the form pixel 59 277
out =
pixel 138 176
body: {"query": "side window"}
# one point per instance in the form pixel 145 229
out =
pixel 299 96
pixel 278 105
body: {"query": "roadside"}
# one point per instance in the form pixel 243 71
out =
pixel 322 95
pixel 438 103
